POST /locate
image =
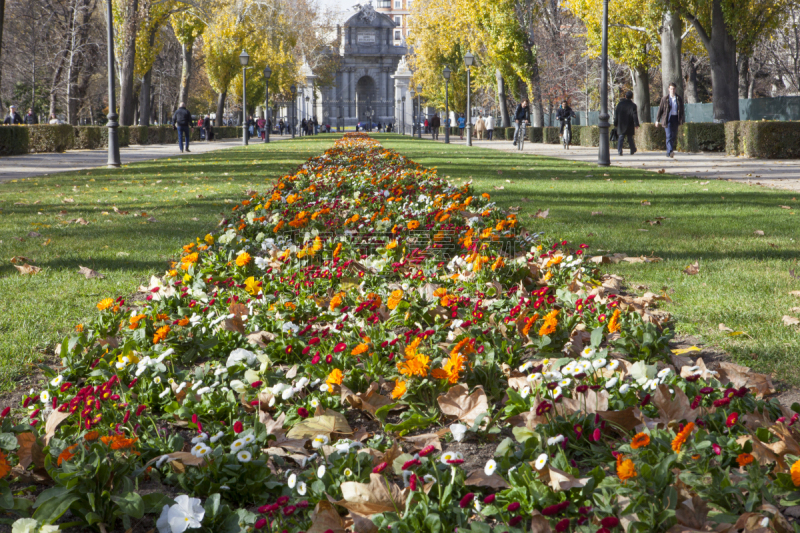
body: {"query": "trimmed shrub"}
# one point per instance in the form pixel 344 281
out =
pixel 50 138
pixel 14 140
pixel 551 135
pixel 138 135
pixel 535 134
pixel 649 138
pixel 168 135
pixel 701 137
pixel 576 135
pixel 123 134
pixel 590 136
pixel 770 139
pixel 155 135
pixel 732 137
pixel 88 137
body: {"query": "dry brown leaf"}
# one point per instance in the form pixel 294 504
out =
pixel 326 518
pixel 25 453
pixel 371 498
pixel 18 259
pixel 542 214
pixel 184 458
pixel 539 523
pixel 463 406
pixel 478 478
pixel 742 376
pixel 55 418
pixel 325 424
pixel 790 320
pixel 785 206
pixel 677 408
pixel 362 524
pixel 261 338
pixel 234 324
pixel 692 269
pixel 419 442
pixel 626 419
pixel 793 293
pixel 27 269
pixel 759 233
pixel 763 453
pixel 560 480
pixel 89 273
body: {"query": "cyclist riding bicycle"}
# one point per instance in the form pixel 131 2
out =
pixel 522 114
pixel 564 114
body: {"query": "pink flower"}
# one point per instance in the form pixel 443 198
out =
pixel 596 434
pixel 696 402
pixel 412 482
pixel 489 499
pixel 315 360
pixel 5 412
pixel 722 402
pixel 283 500
pixel 513 506
pixel 289 510
pixel 256 384
pixel 732 418
pixel 303 412
pixel 427 450
pixel 380 468
pixel 562 526
pixel 466 500
pixel 141 409
pixel 716 448
pixel 609 521
pixel 339 347
pixel 238 427
pixel 260 523
pixel 514 521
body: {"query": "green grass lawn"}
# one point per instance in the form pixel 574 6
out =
pixel 744 279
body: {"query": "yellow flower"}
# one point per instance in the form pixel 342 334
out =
pixel 394 299
pixel 105 303
pixel 251 286
pixel 188 260
pixel 209 239
pixel 417 365
pixel 334 378
pixel 450 369
pixel 796 473
pixel 317 244
pixel 400 389
pixel 243 259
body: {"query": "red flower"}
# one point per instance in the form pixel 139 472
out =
pixel 514 521
pixel 289 510
pixel 489 499
pixel 303 412
pixel 141 409
pixel 513 506
pixel 466 500
pixel 315 360
pixel 427 450
pixel 256 384
pixel 339 347
pixel 412 463
pixel 380 468
pixel 732 418
pixel 329 358
pixel 283 500
pixel 238 427
pixel 260 523
pixel 609 521
pixel 562 526
pixel 455 461
pixel 5 412
pixel 722 402
pixel 596 434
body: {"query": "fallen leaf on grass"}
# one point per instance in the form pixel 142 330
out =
pixel 790 320
pixel 596 213
pixel 730 332
pixel 370 498
pixel 498 188
pixel 677 408
pixel 34 234
pixel 330 422
pixel 89 273
pixel 741 376
pixel 645 202
pixel 692 269
pixel 463 406
pixel 795 293
pixel 785 207
pixel 21 259
pixel 759 233
pixel 55 418
pixel 542 214
pixel 478 478
pixel 27 269
pixel 661 171
pixel 686 350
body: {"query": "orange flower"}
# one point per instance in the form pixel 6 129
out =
pixel 399 389
pixel 79 328
pixel 5 467
pixel 161 334
pixel 411 349
pixel 681 437
pixel 394 299
pixel 118 442
pixel 744 459
pixel 795 473
pixel 554 261
pixel 105 303
pixel 358 350
pixel 392 245
pixel 413 224
pixel 92 435
pixel 135 321
pixel 550 323
pixel 336 301
pixel 243 259
pixel 66 455
pixel 613 324
pixel 464 346
pixel 338 250
pixel 189 260
pixel 441 291
pixel 414 365
pixel 640 440
pixel 499 263
pixel 529 324
pixel 334 378
pixel 183 321
pixel 450 369
pixel 625 468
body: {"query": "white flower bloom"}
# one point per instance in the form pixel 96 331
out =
pixel 611 383
pixel 348 472
pixel 248 438
pixel 564 382
pixel 588 352
pixel 534 377
pixel 237 445
pixel 240 355
pixel 324 387
pixel 553 375
pixel 197 385
pixel 585 365
pixel 558 391
pixel 185 514
pixel 558 439
pixel 541 461
pixel 244 456
pixel 664 372
pixel 200 450
pixel 319 441
pixel 524 368
pixel 613 365
pixel 429 478
pixel 525 392
pixel 202 391
pixel 314 402
pixel 164 393
pixel 447 456
pixel 343 446
pixel 290 326
pixel 490 467
pixel 202 437
pixel 287 394
pixel 45 396
pixel 458 431
pixel 216 437
pixel 302 488
pixel 321 471
pixel 625 387
pixel 25 525
pixel 292 481
pixel 599 363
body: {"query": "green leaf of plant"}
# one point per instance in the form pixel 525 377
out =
pixel 597 336
pixel 130 504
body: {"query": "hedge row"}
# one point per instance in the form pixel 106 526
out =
pixel 16 140
pixel 765 139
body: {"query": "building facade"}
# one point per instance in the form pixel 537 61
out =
pixel 399 11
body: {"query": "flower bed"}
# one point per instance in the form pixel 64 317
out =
pixel 323 360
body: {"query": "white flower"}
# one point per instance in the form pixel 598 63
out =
pixel 324 387
pixel 558 391
pixel 238 386
pixel 447 456
pixel 157 380
pixel 24 525
pixel 237 445
pixel 200 450
pixel 202 437
pixel 186 513
pixel 624 388
pixel 314 403
pixel 289 326
pixel 321 471
pixel 564 382
pixel 558 439
pixel 302 488
pixel 541 461
pixel 45 396
pixel 524 368
pixel 202 391
pixel 525 392
pixel 343 446
pixel 611 382
pixel 490 467
pixel 534 377
pixel 458 431
pixel 244 456
pixel 588 352
pixel 348 472
pixel 585 365
pixel 240 355
pixel 477 505
pixel 613 365
pixel 429 478
pixel 287 393
pixel 663 373
pixel 553 375
pixel 164 393
pixel 248 438
pixel 292 481
pixel 320 441
pixel 599 363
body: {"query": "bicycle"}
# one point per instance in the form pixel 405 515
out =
pixel 522 135
pixel 566 135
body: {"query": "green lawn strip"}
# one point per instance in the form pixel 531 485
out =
pixel 186 197
pixel 744 279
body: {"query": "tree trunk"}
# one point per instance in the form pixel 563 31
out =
pixel 144 99
pixel 186 73
pixel 671 44
pixel 641 92
pixel 537 113
pixel 220 109
pixel 501 100
pixel 2 19
pixel 743 65
pixel 690 96
pixel 127 103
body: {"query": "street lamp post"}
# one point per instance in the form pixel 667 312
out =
pixel 446 74
pixel 603 157
pixel 419 110
pixel 267 74
pixel 293 88
pixel 308 119
pixel 469 60
pixel 244 59
pixel 404 115
pixel 113 125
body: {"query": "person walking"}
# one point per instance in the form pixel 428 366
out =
pixel 522 114
pixel 209 129
pixel 54 120
pixel 182 121
pixel 261 124
pixel 462 123
pixel 480 127
pixel 626 120
pixel 281 126
pixel 31 119
pixel 670 116
pixel 436 123
pixel 13 117
pixel 489 127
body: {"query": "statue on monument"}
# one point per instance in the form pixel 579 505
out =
pixel 367 12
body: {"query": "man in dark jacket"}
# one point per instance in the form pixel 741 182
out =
pixel 522 114
pixel 626 120
pixel 563 114
pixel 670 116
pixel 183 123
pixel 13 117
pixel 436 123
pixel 31 118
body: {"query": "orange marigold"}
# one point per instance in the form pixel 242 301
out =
pixel 416 365
pixel 135 321
pixel 399 389
pixel 183 321
pixel 795 473
pixel 336 301
pixel 5 467
pixel 243 259
pixel 529 324
pixel 640 440
pixel 118 442
pixel 92 435
pixel 338 250
pixel 450 369
pixel 441 291
pixel 413 225
pixel 79 328
pixel 394 299
pixel 681 437
pixel 550 323
pixel 613 324
pixel 358 350
pixel 189 260
pixel 161 334
pixel 744 459
pixel 105 303
pixel 625 469
pixel 334 378
pixel 66 455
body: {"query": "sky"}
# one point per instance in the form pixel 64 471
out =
pixel 345 5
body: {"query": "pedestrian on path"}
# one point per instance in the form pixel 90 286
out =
pixel 626 120
pixel 262 127
pixel 13 117
pixel 182 121
pixel 489 127
pixel 670 116
pixel 462 123
pixel 436 122
pixel 522 114
pixel 281 126
pixel 480 127
pixel 54 120
pixel 31 119
pixel 209 129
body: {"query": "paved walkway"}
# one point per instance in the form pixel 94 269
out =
pixel 776 173
pixel 30 165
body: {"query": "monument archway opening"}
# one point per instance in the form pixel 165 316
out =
pixel 366 96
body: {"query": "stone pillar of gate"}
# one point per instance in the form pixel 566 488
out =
pixel 402 79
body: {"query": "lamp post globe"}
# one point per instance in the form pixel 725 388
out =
pixel 267 74
pixel 244 59
pixel 446 75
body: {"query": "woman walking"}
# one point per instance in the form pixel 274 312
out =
pixel 480 127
